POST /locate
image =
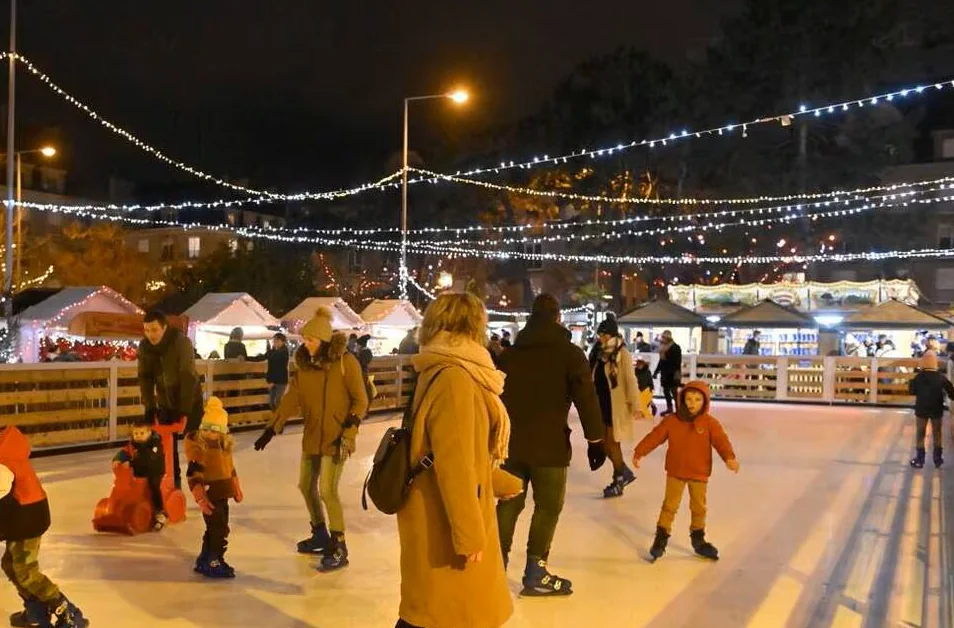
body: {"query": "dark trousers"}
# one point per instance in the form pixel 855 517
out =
pixel 403 624
pixel 176 471
pixel 936 436
pixel 216 538
pixel 549 492
pixel 671 393
pixel 155 492
pixel 614 451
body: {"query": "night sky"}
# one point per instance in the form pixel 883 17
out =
pixel 300 92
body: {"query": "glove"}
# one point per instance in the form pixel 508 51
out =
pixel 237 488
pixel 264 439
pixel 198 492
pixel 596 452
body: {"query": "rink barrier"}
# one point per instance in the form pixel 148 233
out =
pixel 67 404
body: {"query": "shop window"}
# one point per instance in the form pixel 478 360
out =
pixel 945 236
pixel 355 261
pixel 944 279
pixel 947 148
pixel 195 247
pixel 143 245
pixel 535 248
pixel 168 251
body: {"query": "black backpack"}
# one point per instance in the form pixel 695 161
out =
pixel 392 473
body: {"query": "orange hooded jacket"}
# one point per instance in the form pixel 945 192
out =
pixel 691 439
pixel 25 512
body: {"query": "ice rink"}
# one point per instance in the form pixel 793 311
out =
pixel 826 525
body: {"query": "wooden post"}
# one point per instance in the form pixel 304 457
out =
pixel 113 433
pixel 873 382
pixel 209 378
pixel 400 382
pixel 781 379
pixel 828 380
pixel 693 364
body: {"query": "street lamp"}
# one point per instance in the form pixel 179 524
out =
pixel 9 272
pixel 459 97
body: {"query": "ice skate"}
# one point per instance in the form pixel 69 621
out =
pixel 64 614
pixel 160 522
pixel 703 547
pixel 335 556
pixel 918 461
pixel 938 457
pixel 317 542
pixel 33 615
pixel 217 569
pixel 539 582
pixel 659 545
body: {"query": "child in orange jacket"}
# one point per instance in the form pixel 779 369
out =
pixel 692 434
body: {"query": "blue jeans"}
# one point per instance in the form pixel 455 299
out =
pixel 275 394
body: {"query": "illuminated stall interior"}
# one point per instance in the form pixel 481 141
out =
pixel 652 319
pixel 388 322
pixel 784 330
pixel 903 324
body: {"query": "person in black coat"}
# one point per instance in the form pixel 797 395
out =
pixel 235 348
pixel 365 357
pixel 929 388
pixel 276 374
pixel 669 369
pixel 145 456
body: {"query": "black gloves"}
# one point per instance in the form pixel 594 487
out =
pixel 597 455
pixel 264 439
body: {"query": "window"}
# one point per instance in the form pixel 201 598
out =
pixel 195 247
pixel 168 251
pixel 944 279
pixel 945 236
pixel 947 148
pixel 535 248
pixel 355 260
pixel 250 245
pixel 233 246
pixel 144 246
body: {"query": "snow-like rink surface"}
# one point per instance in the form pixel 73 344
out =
pixel 826 525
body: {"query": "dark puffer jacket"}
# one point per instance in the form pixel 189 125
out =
pixel 929 389
pixel 25 511
pixel 168 381
pixel 146 459
pixel 545 374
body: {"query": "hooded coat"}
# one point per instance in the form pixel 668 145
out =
pixel 450 510
pixel 168 381
pixel 25 511
pixel 691 439
pixel 325 391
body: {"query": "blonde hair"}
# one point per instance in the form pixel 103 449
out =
pixel 458 314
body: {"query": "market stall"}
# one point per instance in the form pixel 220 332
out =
pixel 342 316
pixel 905 325
pixel 47 330
pixel 784 330
pixel 215 315
pixel 653 318
pixel 388 322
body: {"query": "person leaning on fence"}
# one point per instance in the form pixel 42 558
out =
pixel 168 382
pixel 276 374
pixel 929 387
pixel 669 369
pixel 326 389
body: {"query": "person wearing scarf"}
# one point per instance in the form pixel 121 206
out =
pixel 452 571
pixel 618 393
pixel 669 369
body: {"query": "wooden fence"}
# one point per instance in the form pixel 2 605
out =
pixel 76 403
pixel 80 403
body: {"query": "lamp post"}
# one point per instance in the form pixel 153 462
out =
pixel 11 124
pixel 458 96
pixel 48 152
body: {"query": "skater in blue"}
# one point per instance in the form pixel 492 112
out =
pixel 929 388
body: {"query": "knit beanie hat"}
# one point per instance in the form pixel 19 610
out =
pixel 928 361
pixel 609 326
pixel 215 419
pixel 319 326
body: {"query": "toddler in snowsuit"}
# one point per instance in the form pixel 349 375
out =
pixel 692 434
pixel 24 518
pixel 144 454
pixel 644 379
pixel 213 482
pixel 929 388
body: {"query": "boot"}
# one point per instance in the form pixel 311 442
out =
pixel 64 614
pixel 703 547
pixel 33 615
pixel 659 543
pixel 918 461
pixel 619 483
pixel 217 568
pixel 202 560
pixel 335 556
pixel 317 542
pixel 539 582
pixel 938 457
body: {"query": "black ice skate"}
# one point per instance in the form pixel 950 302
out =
pixel 918 461
pixel 703 547
pixel 659 545
pixel 938 457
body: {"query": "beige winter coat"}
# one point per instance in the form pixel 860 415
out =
pixel 625 397
pixel 450 512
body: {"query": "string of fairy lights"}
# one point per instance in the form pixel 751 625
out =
pixel 430 296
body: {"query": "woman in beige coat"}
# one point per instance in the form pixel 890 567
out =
pixel 452 573
pixel 614 376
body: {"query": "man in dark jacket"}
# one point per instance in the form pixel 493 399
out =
pixel 669 369
pixel 276 375
pixel 930 389
pixel 168 382
pixel 545 374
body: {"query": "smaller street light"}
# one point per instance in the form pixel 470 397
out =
pixel 460 96
pixel 48 151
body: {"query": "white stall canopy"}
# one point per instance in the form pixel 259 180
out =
pixel 389 321
pixel 215 315
pixel 343 317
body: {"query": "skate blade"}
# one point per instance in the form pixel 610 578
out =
pixel 545 593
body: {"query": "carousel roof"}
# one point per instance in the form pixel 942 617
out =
pixel 894 314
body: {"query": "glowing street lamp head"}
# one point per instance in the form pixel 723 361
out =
pixel 48 151
pixel 460 96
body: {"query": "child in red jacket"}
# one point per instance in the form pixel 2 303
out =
pixel 24 518
pixel 692 434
